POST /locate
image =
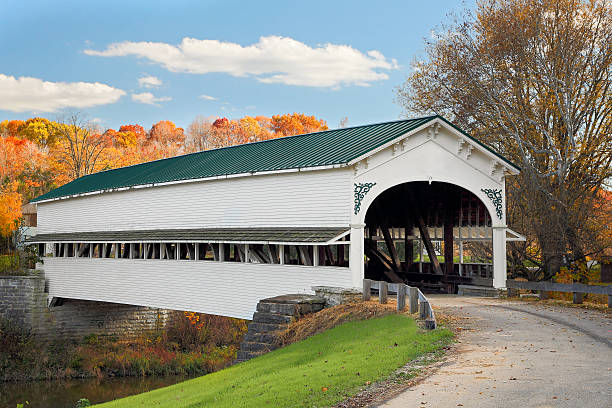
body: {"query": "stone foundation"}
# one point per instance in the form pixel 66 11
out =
pixel 23 301
pixel 335 296
pixel 273 315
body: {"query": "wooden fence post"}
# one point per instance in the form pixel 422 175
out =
pixel 544 295
pixel 423 309
pixel 577 298
pixel 367 289
pixel 513 292
pixel 382 292
pixel 413 294
pixel 401 296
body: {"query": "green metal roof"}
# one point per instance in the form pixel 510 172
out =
pixel 330 147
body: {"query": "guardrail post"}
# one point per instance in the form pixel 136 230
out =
pixel 382 292
pixel 577 298
pixel 513 292
pixel 544 295
pixel 413 294
pixel 367 289
pixel 423 310
pixel 401 296
pixel 609 301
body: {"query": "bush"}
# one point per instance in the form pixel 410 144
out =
pixel 82 403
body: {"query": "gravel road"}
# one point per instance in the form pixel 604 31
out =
pixel 519 354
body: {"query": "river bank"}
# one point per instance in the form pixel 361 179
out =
pixel 195 345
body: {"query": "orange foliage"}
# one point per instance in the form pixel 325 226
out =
pixel 10 209
pixel 296 124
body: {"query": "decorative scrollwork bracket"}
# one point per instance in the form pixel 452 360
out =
pixel 495 195
pixel 361 189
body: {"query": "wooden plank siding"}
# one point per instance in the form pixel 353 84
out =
pixel 314 198
pixel 222 288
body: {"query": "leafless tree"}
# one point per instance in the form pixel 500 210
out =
pixel 80 145
pixel 199 134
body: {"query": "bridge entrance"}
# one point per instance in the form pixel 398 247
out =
pixel 432 235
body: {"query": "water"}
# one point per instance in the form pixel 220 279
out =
pixel 65 393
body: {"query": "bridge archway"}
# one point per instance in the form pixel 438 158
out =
pixel 435 235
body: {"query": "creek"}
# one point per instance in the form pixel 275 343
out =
pixel 66 393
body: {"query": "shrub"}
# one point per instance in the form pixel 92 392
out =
pixel 82 403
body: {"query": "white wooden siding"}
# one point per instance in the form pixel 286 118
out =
pixel 221 288
pixel 312 198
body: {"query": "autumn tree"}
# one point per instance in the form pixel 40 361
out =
pixel 41 131
pixel 531 78
pixel 206 134
pixel 10 128
pixel 79 146
pixel 10 210
pixel 166 138
pixel 296 124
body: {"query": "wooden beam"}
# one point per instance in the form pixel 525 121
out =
pixel 449 247
pixel 408 251
pixel 82 248
pixel 382 257
pixel 391 247
pixel 329 254
pixel 386 262
pixel 340 254
pixel 256 252
pixel 425 236
pixel 304 255
pixel 321 250
pixel 273 253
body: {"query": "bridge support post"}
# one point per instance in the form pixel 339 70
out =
pixel 499 257
pixel 356 262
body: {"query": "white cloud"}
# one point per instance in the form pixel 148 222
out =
pixel 149 81
pixel 32 94
pixel 149 98
pixel 271 60
pixel 208 97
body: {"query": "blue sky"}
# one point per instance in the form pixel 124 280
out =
pixel 333 59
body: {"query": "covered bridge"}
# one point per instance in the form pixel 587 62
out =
pixel 216 231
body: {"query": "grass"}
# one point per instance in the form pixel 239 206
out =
pixel 319 371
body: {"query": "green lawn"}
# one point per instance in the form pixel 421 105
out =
pixel 341 360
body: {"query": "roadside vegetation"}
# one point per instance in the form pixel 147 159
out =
pixel 318 371
pixel 196 345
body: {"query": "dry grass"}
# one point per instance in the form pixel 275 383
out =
pixel 326 319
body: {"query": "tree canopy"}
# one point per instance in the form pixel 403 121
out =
pixel 531 78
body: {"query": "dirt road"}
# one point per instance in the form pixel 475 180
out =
pixel 519 354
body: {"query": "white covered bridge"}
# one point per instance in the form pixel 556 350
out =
pixel 218 230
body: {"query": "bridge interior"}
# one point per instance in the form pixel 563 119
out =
pixel 432 235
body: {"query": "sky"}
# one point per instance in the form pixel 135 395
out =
pixel 139 62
